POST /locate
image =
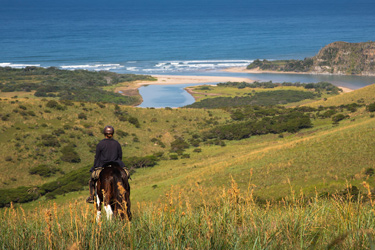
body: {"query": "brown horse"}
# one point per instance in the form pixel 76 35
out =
pixel 113 189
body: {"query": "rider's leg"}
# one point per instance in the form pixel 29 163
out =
pixel 90 199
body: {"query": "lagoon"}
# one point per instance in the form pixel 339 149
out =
pixel 161 96
pixel 174 96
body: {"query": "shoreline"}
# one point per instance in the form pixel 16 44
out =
pixel 182 79
pixel 258 71
pixel 132 90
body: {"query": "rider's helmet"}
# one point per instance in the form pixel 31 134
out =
pixel 108 130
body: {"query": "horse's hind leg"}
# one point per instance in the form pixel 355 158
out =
pixel 108 211
pixel 128 204
pixel 98 206
pixel 107 206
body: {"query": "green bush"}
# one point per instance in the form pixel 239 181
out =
pixel 58 132
pixel 49 141
pixel 185 156
pixel 179 145
pixel 70 155
pixel 44 170
pixel 141 162
pixel 289 122
pixel 55 105
pixel 122 133
pixel 134 121
pixel 72 181
pixel 371 107
pixel 82 116
pixel 18 195
pixel 266 98
pixel 338 118
pixel 173 157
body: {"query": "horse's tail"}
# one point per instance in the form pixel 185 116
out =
pixel 122 191
pixel 118 185
pixel 126 195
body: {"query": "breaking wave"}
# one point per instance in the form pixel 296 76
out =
pixel 147 67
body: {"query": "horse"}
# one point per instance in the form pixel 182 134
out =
pixel 113 189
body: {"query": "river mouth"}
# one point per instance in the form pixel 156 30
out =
pixel 175 95
pixel 162 96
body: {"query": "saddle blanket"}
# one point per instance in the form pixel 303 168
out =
pixel 95 174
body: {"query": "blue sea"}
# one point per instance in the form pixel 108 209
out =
pixel 195 37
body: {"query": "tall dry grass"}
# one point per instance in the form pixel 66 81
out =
pixel 232 220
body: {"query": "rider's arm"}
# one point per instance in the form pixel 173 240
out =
pixel 97 155
pixel 119 152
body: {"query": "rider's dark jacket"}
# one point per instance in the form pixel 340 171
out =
pixel 108 151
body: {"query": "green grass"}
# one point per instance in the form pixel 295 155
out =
pixel 21 135
pixel 263 192
pixel 232 220
pixel 364 95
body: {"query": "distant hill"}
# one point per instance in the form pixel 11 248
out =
pixel 336 58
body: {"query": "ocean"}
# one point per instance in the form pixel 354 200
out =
pixel 176 37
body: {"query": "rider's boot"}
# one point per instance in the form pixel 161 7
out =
pixel 90 199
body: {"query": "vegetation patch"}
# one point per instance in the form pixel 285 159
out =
pixel 77 85
pixel 44 170
pixel 260 98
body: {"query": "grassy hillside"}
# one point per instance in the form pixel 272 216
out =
pixel 306 188
pixel 365 95
pixel 35 131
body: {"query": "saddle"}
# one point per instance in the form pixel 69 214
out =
pixel 95 174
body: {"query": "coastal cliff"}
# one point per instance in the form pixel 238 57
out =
pixel 340 58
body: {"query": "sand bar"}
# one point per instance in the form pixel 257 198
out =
pixel 132 90
pixel 182 79
pixel 179 79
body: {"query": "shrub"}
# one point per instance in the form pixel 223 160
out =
pixel 185 156
pixel 20 195
pixel 134 121
pixel 179 145
pixel 44 170
pixel 135 139
pixel 54 104
pixel 70 155
pixel 141 162
pixel 22 107
pixel 82 116
pixel 121 133
pixel 173 157
pixel 338 118
pixel 49 141
pixel 371 107
pixel 58 132
pixel 72 181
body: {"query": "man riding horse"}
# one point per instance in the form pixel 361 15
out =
pixel 108 152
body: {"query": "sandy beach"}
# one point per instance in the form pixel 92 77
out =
pixel 132 90
pixel 179 79
pixel 183 79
